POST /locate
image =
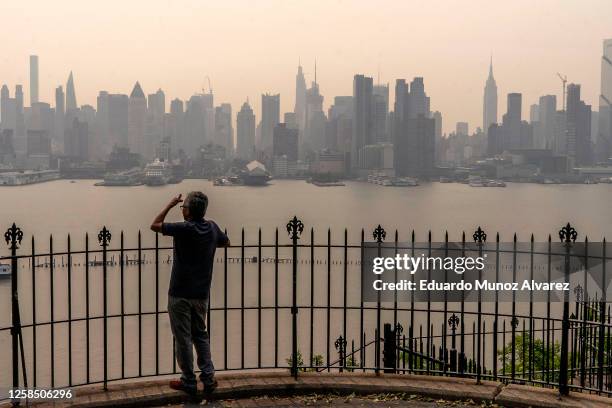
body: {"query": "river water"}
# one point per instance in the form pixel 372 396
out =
pixel 63 207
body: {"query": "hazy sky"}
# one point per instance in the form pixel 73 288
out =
pixel 249 47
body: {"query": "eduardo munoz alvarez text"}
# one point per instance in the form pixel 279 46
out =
pixel 458 265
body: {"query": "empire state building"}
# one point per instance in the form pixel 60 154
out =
pixel 489 111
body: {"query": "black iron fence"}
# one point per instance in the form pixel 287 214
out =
pixel 94 315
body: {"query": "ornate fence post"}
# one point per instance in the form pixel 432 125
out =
pixel 340 345
pixel 104 237
pixel 567 235
pixel 602 322
pixel 294 228
pixel 453 321
pixel 379 235
pixel 13 237
pixel 389 350
pixel 480 238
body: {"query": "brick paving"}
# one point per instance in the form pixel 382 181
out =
pixel 246 389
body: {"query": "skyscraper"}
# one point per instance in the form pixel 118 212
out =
pixel 604 148
pixel 489 111
pixel 419 101
pixel 363 116
pixel 76 140
pixel 381 112
pixel 20 132
pixel 314 131
pixel 208 112
pixel 547 118
pixel 462 128
pixel 413 130
pixel 33 79
pixel 300 98
pixel 174 124
pixel 578 123
pixel 224 132
pixel 270 117
pixel 118 120
pixel 437 116
pixel 154 132
pixel 137 111
pixel 340 128
pixel 245 132
pixel 414 149
pixel 285 142
pixel 59 113
pixel 12 116
pixel 157 103
pixel 512 122
pixel 4 106
pixel 71 102
pixel 194 127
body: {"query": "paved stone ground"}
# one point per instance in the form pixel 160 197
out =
pixel 319 400
pixel 246 389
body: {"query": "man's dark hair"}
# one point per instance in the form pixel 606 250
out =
pixel 197 202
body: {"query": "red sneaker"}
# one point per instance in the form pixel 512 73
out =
pixel 179 385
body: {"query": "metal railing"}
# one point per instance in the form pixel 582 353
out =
pixel 288 305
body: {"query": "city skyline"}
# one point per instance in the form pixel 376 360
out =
pixel 517 44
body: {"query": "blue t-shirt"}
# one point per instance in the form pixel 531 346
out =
pixel 195 243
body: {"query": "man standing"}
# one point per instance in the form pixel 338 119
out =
pixel 195 242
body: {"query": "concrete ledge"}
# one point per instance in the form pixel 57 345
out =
pixel 254 384
pixel 522 396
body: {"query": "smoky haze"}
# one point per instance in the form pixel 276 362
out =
pixel 247 48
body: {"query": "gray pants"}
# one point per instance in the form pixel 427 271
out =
pixel 188 323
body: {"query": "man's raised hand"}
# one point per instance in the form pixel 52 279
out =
pixel 175 200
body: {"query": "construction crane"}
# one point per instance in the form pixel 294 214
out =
pixel 564 81
pixel 209 86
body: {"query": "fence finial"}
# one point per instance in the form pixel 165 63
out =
pixel 453 321
pixel 295 227
pixel 340 344
pixel 379 234
pixel 479 236
pixel 13 236
pixel 104 237
pixel 568 234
